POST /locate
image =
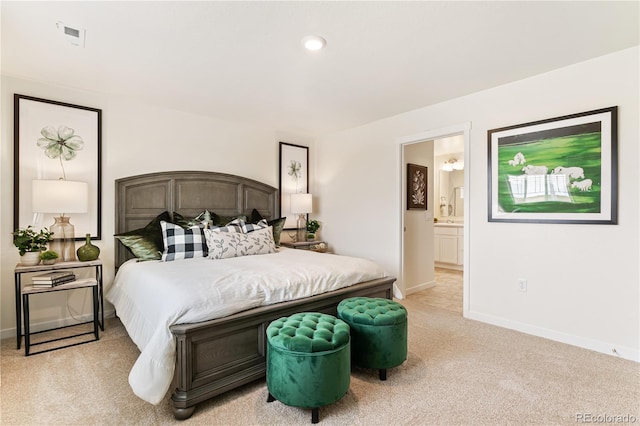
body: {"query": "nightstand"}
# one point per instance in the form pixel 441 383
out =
pixel 318 246
pixel 31 290
pixel 20 269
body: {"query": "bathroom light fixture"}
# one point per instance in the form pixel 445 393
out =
pixel 313 42
pixel 452 164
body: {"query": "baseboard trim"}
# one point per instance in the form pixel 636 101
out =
pixel 46 325
pixel 450 266
pixel 419 287
pixel 606 348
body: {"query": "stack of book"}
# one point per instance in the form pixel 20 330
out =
pixel 52 279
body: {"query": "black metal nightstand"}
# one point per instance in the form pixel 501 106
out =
pixel 31 290
pixel 19 291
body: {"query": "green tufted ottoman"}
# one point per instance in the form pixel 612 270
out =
pixel 308 360
pixel 378 332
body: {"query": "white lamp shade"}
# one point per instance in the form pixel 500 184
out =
pixel 59 196
pixel 301 203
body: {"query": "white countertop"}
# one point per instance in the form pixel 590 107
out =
pixel 449 224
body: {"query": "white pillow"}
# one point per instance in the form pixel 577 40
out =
pixel 224 245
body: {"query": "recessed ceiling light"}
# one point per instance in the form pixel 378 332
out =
pixel 313 42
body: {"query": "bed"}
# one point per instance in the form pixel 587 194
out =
pixel 215 355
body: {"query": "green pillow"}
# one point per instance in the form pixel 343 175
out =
pixel 276 224
pixel 223 220
pixel 146 243
pixel 199 220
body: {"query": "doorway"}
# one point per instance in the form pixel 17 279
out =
pixel 407 256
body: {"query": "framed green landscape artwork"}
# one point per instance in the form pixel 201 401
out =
pixel 560 170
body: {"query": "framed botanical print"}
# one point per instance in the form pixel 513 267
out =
pixel 57 141
pixel 416 187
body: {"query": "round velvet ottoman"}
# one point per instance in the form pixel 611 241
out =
pixel 308 360
pixel 378 332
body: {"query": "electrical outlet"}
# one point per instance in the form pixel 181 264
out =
pixel 522 284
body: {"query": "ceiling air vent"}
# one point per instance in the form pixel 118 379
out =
pixel 73 35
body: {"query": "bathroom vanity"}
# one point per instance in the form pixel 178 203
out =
pixel 449 245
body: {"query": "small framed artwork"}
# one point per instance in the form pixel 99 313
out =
pixel 416 187
pixel 294 178
pixel 57 141
pixel 559 170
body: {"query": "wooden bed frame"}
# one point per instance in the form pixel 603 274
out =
pixel 215 356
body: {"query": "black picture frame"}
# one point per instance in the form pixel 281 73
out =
pixel 416 187
pixel 292 180
pixel 31 116
pixel 558 170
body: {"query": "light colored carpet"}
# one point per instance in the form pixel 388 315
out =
pixel 459 372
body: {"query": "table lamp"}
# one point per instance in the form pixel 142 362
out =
pixel 61 197
pixel 301 204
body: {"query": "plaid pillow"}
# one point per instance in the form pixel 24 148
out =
pixel 250 227
pixel 233 226
pixel 180 243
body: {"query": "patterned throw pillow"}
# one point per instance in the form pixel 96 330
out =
pixel 180 243
pixel 224 245
pixel 277 224
pixel 146 243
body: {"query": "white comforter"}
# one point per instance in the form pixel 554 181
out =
pixel 153 295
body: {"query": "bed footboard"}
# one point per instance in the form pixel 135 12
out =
pixel 215 356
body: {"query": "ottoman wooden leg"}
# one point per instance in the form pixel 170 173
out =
pixel 315 415
pixel 383 374
pixel 270 398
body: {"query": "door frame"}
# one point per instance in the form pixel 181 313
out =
pixel 463 129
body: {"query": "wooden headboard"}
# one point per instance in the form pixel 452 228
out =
pixel 141 198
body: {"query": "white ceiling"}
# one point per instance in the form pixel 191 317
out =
pixel 243 61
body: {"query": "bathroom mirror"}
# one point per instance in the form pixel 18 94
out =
pixel 451 194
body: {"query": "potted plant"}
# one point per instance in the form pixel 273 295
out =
pixel 48 257
pixel 30 243
pixel 312 228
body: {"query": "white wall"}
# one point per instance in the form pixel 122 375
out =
pixel 583 280
pixel 136 139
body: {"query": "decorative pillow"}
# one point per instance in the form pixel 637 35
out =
pixel 221 220
pixel 233 226
pixel 277 224
pixel 204 220
pixel 255 216
pixel 146 243
pixel 250 227
pixel 180 243
pixel 224 245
